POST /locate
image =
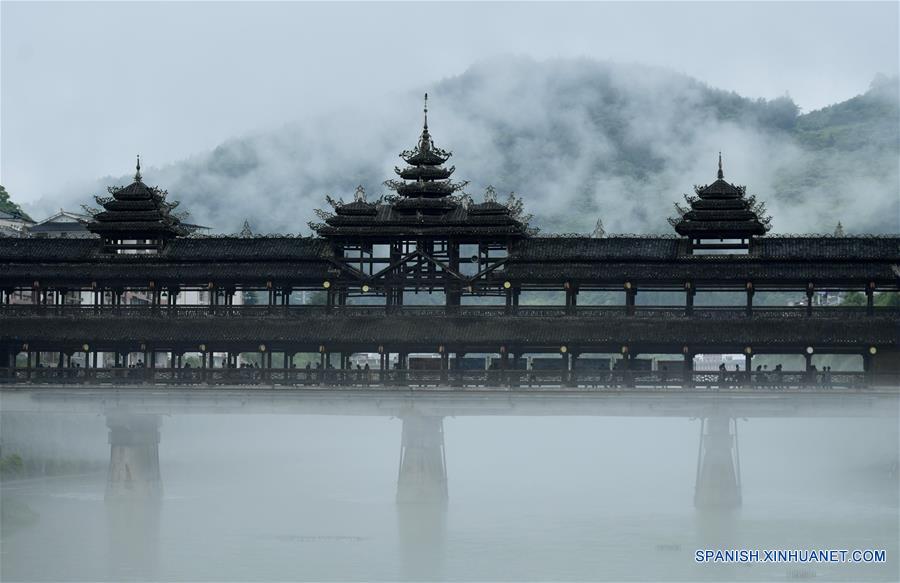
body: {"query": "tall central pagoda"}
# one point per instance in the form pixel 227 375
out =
pixel 425 176
pixel 426 204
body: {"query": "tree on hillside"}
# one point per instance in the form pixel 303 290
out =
pixel 8 206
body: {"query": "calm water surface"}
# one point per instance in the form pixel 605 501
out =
pixel 279 497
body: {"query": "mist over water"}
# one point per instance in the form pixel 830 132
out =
pixel 576 497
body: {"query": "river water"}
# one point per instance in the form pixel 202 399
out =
pixel 314 497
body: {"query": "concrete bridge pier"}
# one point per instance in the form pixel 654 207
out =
pixel 718 482
pixel 133 457
pixel 422 498
pixel 422 476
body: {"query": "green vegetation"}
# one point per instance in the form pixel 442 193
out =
pixel 8 206
pixel 11 466
pixel 882 299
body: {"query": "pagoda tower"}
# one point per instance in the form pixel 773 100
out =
pixel 136 218
pixel 721 217
pixel 425 185
pixel 426 235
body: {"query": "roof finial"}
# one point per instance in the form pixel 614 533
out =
pixel 137 175
pixel 721 174
pixel 426 111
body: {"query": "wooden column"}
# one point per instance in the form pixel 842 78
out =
pixel 867 368
pixel 750 292
pixel 445 364
pixel 573 373
pixel 688 368
pixel 810 291
pixel 630 298
pixel 689 293
pixel 870 299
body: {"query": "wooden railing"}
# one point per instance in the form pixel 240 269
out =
pixel 452 379
pixel 304 311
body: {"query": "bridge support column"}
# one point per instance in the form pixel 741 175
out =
pixel 402 365
pixel 573 377
pixel 133 457
pixel 689 293
pixel 571 298
pixel 718 482
pixel 688 368
pixel 445 365
pixel 422 476
pixel 630 298
pixel 458 369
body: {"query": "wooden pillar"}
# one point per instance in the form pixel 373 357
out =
pixel 750 292
pixel 868 375
pixel 571 298
pixel 402 362
pixel 748 366
pixel 689 293
pixel 870 299
pixel 630 298
pixel 810 291
pixel 688 368
pixel 626 366
pixel 573 373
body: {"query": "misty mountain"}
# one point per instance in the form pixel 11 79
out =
pixel 578 139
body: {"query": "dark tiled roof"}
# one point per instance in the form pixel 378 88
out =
pixel 826 247
pixel 555 249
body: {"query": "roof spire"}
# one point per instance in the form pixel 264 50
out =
pixel 137 175
pixel 721 174
pixel 426 112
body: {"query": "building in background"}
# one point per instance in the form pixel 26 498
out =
pixel 62 224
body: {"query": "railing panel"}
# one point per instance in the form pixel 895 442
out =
pixel 304 311
pixel 460 379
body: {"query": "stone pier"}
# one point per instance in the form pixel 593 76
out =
pixel 422 477
pixel 133 457
pixel 718 482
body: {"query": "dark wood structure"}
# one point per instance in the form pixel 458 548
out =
pixel 427 270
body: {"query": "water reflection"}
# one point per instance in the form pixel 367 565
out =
pixel 349 497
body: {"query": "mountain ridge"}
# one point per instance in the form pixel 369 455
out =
pixel 578 139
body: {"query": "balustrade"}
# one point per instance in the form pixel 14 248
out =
pixel 524 311
pixel 451 380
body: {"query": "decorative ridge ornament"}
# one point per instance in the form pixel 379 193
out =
pixel 721 174
pixel 137 174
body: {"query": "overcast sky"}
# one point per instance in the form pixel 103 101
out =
pixel 85 86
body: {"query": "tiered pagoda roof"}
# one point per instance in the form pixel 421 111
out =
pixel 721 211
pixel 136 212
pixel 426 203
